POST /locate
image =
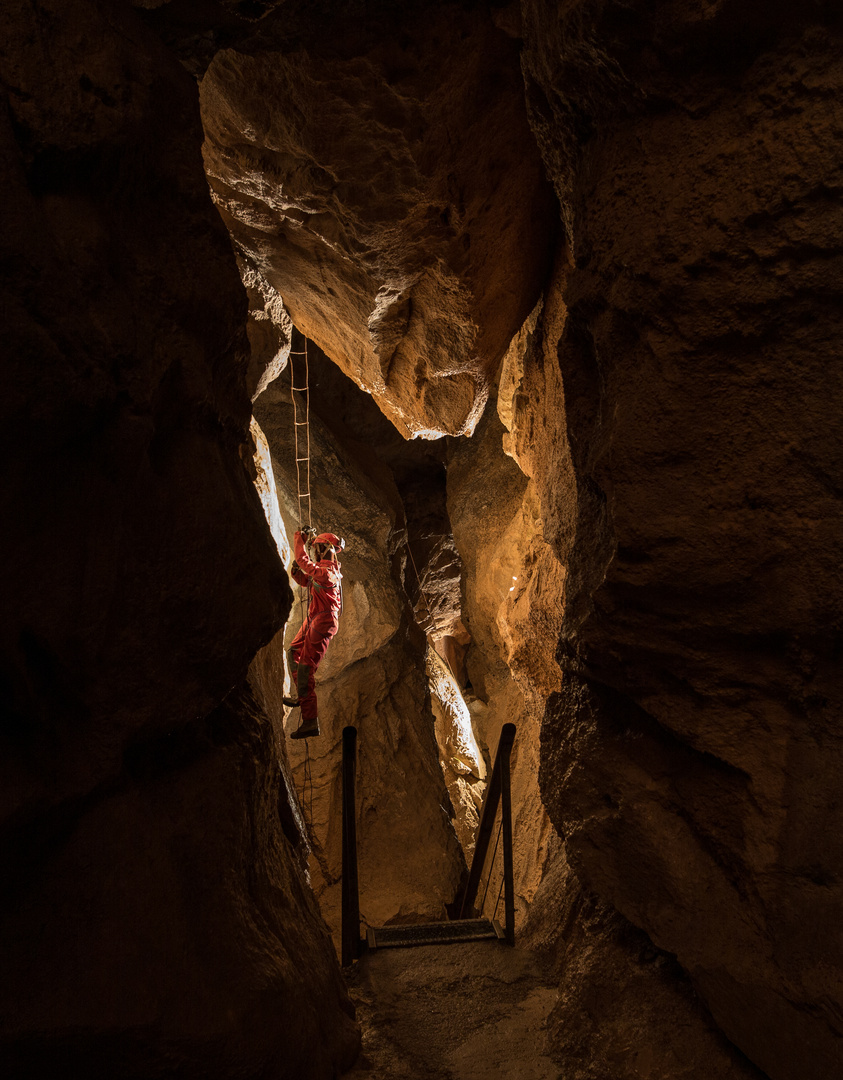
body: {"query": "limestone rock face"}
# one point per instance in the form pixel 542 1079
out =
pixel 372 678
pixel 647 526
pixel 270 330
pixel 510 662
pixel 625 1009
pixel 384 181
pixel 462 761
pixel 434 569
pixel 211 971
pixel 153 919
pixel 264 480
pixel 685 465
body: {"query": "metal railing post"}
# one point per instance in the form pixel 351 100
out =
pixel 506 826
pixel 350 897
pixel 498 782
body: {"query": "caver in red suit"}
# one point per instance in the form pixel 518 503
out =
pixel 323 580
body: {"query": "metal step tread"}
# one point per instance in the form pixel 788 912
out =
pixel 438 933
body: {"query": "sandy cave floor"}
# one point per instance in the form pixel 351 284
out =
pixel 475 1011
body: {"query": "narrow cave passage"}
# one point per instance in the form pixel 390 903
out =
pixel 433 272
pixel 382 251
pixel 372 486
pixel 584 257
pixel 388 498
pixel 414 269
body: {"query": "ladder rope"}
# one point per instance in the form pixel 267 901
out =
pixel 307 789
pixel 305 423
pixel 302 495
pixel 421 587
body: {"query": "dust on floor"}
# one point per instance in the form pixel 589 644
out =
pixel 474 1011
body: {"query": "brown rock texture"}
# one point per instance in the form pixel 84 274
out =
pixel 476 1010
pixel 689 481
pixel 153 917
pixel 270 330
pixel 462 760
pixel 384 181
pixel 624 1009
pixel 514 627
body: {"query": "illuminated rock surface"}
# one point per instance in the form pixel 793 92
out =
pixel 388 187
pixel 686 457
pixel 492 508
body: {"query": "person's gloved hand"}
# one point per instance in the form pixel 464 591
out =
pixel 308 532
pixel 294 568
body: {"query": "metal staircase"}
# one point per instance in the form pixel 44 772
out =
pixel 469 925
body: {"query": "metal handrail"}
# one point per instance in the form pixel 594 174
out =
pixel 498 790
pixel 350 896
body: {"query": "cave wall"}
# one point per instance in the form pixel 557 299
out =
pixel 154 917
pixel 510 662
pixel 625 1008
pixel 689 457
pixel 663 409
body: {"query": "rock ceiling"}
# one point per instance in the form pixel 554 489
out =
pixel 395 198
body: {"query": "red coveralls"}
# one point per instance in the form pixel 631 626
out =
pixel 322 622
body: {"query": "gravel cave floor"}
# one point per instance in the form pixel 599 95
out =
pixel 475 1011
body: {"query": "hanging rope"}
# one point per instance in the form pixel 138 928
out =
pixel 306 798
pixel 303 459
pixel 299 457
pixel 305 423
pixel 421 587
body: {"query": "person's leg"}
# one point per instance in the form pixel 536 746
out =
pixel 309 726
pixel 319 634
pixel 293 657
pixel 306 684
pixel 294 651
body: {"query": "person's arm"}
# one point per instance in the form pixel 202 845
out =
pixel 320 574
pixel 298 575
pixel 305 563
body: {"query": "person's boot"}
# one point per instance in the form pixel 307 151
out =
pixel 308 729
pixel 292 702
